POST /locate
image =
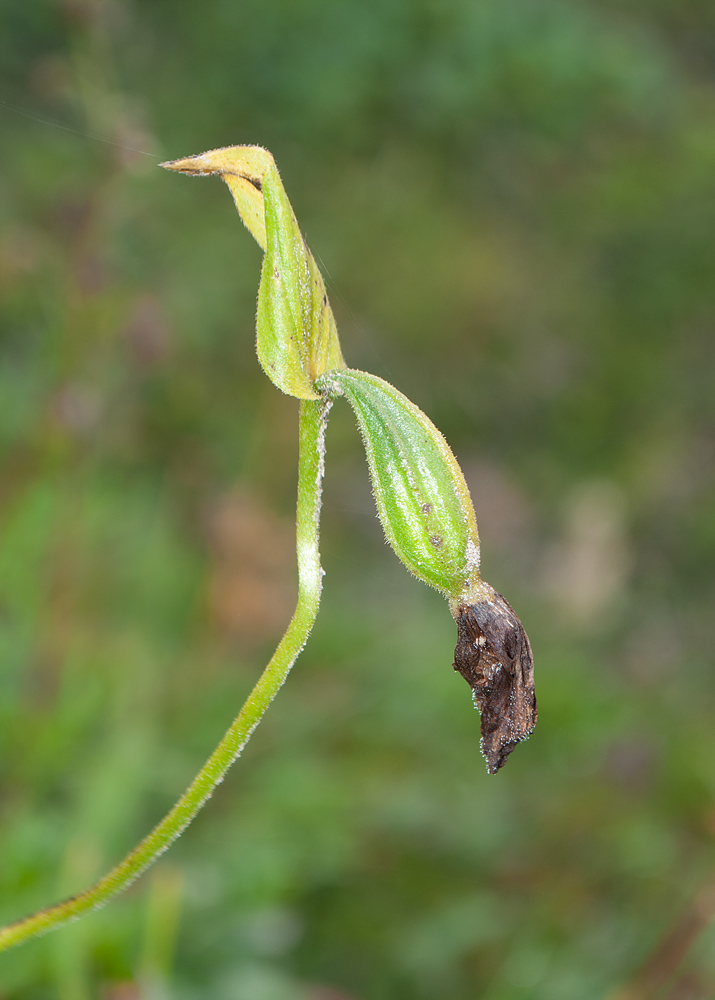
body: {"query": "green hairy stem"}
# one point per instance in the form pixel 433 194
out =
pixel 313 417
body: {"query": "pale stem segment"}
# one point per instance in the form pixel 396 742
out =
pixel 313 417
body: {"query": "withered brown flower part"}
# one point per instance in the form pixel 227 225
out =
pixel 493 654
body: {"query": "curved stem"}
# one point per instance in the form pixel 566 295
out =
pixel 313 417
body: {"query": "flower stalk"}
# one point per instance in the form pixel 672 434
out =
pixel 312 423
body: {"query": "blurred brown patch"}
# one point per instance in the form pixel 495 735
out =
pixel 326 993
pixel 503 511
pixel 689 987
pixel 91 272
pixel 147 333
pixel 585 571
pixel 662 965
pixel 76 409
pixel 252 584
pixel 122 991
pixel 50 78
pixel 653 650
pixel 21 251
pixel 631 763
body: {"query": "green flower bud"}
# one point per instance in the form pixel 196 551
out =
pixel 422 498
pixel 297 339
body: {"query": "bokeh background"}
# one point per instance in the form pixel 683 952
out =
pixel 514 205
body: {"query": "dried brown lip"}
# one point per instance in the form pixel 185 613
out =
pixel 494 656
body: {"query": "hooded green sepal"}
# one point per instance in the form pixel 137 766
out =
pixel 422 498
pixel 297 339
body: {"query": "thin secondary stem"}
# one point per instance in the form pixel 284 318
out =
pixel 313 417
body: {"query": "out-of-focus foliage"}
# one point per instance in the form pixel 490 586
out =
pixel 514 203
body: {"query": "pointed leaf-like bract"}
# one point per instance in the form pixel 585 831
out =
pixel 297 339
pixel 422 498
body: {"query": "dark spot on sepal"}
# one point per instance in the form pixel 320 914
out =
pixel 494 656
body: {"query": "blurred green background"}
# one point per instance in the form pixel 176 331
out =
pixel 514 205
